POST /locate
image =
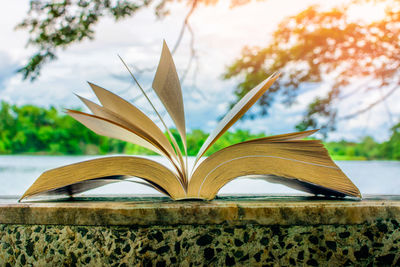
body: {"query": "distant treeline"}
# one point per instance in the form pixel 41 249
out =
pixel 34 130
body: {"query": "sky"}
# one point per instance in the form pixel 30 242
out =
pixel 220 34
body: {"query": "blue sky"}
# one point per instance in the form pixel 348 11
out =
pixel 221 33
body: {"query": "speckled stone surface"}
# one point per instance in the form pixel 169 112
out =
pixel 377 244
pixel 289 210
pixel 316 232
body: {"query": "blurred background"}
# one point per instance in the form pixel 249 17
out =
pixel 339 62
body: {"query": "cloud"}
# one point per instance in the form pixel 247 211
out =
pixel 8 68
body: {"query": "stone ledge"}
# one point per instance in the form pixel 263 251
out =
pixel 239 210
pixel 367 244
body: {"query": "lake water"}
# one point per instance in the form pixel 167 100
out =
pixel 17 173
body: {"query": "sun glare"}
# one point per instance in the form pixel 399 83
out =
pixel 367 12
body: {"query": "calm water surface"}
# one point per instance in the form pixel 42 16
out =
pixel 17 173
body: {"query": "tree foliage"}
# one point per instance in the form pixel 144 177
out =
pixel 331 46
pixel 34 130
pixel 58 24
pixel 391 148
pixel 31 129
pixel 316 46
pixel 54 25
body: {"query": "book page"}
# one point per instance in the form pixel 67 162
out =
pixel 151 171
pixel 103 112
pixel 168 88
pixel 86 185
pixel 111 129
pixel 133 115
pixel 282 137
pixel 236 113
pixel 304 160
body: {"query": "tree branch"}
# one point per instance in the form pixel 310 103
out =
pixel 184 25
pixel 363 110
pixel 192 57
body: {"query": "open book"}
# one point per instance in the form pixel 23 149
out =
pixel 285 159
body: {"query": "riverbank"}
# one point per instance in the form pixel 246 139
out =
pixel 35 130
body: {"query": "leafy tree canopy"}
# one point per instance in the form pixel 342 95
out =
pixel 332 46
pixel 58 24
pixel 317 45
pixel 30 129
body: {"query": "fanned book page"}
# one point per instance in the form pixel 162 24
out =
pixel 236 113
pixel 286 159
pixel 168 88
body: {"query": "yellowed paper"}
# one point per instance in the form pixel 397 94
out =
pixel 168 88
pixel 236 113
